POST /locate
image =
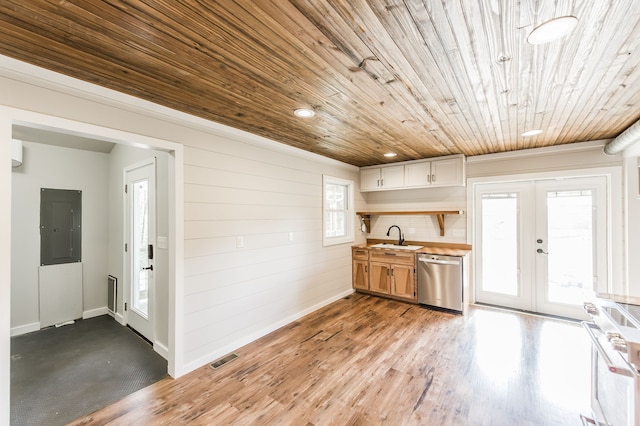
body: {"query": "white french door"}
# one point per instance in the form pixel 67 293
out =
pixel 140 225
pixel 541 245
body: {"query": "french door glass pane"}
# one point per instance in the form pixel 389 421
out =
pixel 570 246
pixel 140 246
pixel 500 243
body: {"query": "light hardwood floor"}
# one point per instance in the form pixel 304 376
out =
pixel 365 360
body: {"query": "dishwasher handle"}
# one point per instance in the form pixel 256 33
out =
pixel 438 261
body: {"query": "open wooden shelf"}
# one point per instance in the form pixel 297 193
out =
pixel 440 214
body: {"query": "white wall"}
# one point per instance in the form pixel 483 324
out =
pixel 236 184
pixel 425 226
pixel 46 166
pixel 120 157
pixel 632 241
pixel 232 293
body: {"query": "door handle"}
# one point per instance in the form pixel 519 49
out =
pixel 542 251
pixel 148 268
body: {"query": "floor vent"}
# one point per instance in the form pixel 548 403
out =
pixel 224 360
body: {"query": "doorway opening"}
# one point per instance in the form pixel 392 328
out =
pixel 43 123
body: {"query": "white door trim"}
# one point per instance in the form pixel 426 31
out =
pixel 10 116
pixel 616 281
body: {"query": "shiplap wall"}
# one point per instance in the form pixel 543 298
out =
pixel 233 191
pixel 236 184
pixel 425 227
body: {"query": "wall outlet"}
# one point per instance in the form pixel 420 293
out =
pixel 290 236
pixel 458 232
pixel 239 242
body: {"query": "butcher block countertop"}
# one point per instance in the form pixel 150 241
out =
pixel 444 249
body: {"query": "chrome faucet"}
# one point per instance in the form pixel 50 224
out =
pixel 400 236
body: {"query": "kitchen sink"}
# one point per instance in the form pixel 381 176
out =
pixel 396 246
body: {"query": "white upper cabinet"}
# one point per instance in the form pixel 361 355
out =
pixel 417 175
pixel 381 178
pixel 448 172
pixel 444 171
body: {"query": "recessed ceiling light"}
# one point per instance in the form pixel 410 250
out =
pixel 552 29
pixel 390 154
pixel 304 113
pixel 532 133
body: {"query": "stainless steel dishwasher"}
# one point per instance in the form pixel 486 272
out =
pixel 440 281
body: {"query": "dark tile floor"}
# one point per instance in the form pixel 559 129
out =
pixel 60 374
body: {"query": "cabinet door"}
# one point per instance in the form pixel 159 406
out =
pixel 369 179
pixel 417 175
pixel 403 281
pixel 379 277
pixel 447 172
pixel 392 177
pixel 361 274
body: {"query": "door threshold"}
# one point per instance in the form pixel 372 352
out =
pixel 524 311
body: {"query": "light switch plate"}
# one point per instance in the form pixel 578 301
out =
pixel 290 236
pixel 239 242
pixel 162 242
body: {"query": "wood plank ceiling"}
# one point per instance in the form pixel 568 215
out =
pixel 421 78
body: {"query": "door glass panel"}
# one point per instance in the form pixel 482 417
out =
pixel 570 245
pixel 500 243
pixel 140 212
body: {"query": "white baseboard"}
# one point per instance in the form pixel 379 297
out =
pixel 24 329
pixel 94 313
pixel 186 368
pixel 161 349
pixel 119 318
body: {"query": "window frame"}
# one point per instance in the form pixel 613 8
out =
pixel 349 236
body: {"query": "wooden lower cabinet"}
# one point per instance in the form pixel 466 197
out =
pixel 360 268
pixel 361 274
pixel 391 273
pixel 403 281
pixel 379 277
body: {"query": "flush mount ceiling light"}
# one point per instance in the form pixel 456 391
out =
pixel 390 154
pixel 532 133
pixel 304 113
pixel 552 29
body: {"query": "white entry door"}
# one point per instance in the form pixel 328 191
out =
pixel 541 245
pixel 140 234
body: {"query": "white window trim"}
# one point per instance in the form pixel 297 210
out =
pixel 349 237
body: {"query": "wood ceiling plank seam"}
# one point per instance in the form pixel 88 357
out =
pixel 389 17
pixel 156 76
pixel 425 31
pixel 495 46
pixel 484 100
pixel 372 123
pixel 482 66
pixel 625 69
pixel 365 29
pixel 543 11
pixel 312 17
pixel 586 78
pixel 355 151
pixel 598 59
pixel 570 50
pixel 510 60
pixel 469 64
pixel 340 42
pixel 470 70
pixel 524 75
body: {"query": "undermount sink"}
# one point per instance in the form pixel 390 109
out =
pixel 396 246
